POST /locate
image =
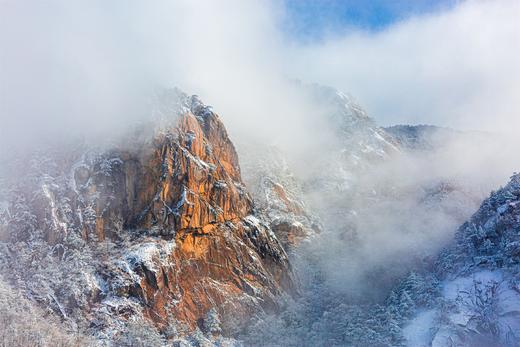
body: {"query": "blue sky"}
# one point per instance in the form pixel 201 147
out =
pixel 310 19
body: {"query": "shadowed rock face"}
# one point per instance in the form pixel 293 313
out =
pixel 182 185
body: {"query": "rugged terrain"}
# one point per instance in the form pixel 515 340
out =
pixel 161 236
pixel 157 228
pixel 388 205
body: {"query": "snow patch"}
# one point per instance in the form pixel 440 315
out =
pixel 54 215
pixel 151 254
pixel 418 333
pixel 451 289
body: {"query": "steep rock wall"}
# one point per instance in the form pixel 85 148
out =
pixel 176 198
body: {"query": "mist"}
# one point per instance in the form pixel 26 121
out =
pixel 88 69
pixel 85 65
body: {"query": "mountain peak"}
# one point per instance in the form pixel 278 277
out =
pixel 157 229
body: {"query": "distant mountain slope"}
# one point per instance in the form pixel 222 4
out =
pixel 358 140
pixel 421 137
pixel 431 137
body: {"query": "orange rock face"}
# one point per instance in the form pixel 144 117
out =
pixel 188 178
pixel 185 185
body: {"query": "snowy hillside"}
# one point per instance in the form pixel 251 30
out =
pixel 479 276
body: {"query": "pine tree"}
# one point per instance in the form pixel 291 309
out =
pixel 212 322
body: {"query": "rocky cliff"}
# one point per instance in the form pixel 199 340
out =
pixel 157 226
pixel 278 194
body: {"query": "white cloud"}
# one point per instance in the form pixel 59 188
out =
pixel 84 64
pixel 458 68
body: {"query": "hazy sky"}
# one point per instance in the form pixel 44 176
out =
pixel 67 66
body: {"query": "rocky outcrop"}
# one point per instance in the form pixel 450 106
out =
pixel 173 207
pixel 278 195
pixel 186 179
